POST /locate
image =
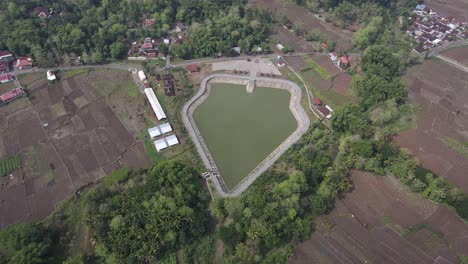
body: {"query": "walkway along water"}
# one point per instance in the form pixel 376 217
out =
pixel 294 105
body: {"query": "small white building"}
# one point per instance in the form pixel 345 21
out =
pixel 279 46
pixel 166 142
pixel 51 75
pixel 172 140
pixel 141 75
pixel 159 130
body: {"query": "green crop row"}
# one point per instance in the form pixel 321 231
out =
pixel 9 165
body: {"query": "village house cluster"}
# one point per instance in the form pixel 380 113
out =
pixel 431 30
pixel 149 47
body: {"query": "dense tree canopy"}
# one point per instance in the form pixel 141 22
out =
pixel 25 243
pixel 101 30
pixel 144 223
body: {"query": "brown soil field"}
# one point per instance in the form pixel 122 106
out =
pixel 381 221
pixel 298 63
pixel 458 54
pixel 325 62
pixel 300 15
pixel 317 81
pixel 455 8
pixel 342 83
pixel 442 92
pixel 71 134
pixel 290 39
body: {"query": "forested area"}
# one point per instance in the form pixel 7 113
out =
pixel 100 31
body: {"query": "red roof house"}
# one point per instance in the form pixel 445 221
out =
pixel 317 101
pixel 147 45
pixel 192 68
pixel 11 94
pixel 343 61
pixel 149 22
pixel 4 66
pixel 23 63
pixel 5 55
pixel 6 78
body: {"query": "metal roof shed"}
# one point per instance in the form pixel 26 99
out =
pixel 157 108
pixel 172 140
pixel 154 132
pixel 160 144
pixel 165 128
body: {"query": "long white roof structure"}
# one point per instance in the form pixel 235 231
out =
pixel 159 130
pixel 158 111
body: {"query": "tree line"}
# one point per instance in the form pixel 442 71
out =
pixel 99 31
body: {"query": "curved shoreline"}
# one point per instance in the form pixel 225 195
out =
pixel 294 105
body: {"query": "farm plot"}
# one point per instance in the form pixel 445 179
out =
pixel 381 221
pixel 291 40
pixel 69 137
pixel 442 92
pixel 458 54
pixel 9 165
pixel 453 8
pixel 342 83
pixel 332 91
pixel 300 15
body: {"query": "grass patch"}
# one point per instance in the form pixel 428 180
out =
pixel 74 72
pixel 314 65
pixel 9 165
pixel 458 146
pixel 133 91
pixel 152 152
pixel 426 237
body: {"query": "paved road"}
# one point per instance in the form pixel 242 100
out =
pixel 295 107
pixel 454 63
pixel 126 66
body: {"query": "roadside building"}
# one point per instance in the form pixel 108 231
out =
pixel 333 56
pixel 5 55
pixel 343 62
pixel 192 68
pixel 141 75
pixel 4 66
pixel 280 62
pixel 11 95
pixel 51 75
pixel 23 63
pixel 6 78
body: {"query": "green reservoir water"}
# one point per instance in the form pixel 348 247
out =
pixel 242 129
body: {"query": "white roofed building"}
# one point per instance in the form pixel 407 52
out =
pixel 172 140
pixel 166 142
pixel 51 76
pixel 141 75
pixel 159 130
pixel 155 105
pixel 160 144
